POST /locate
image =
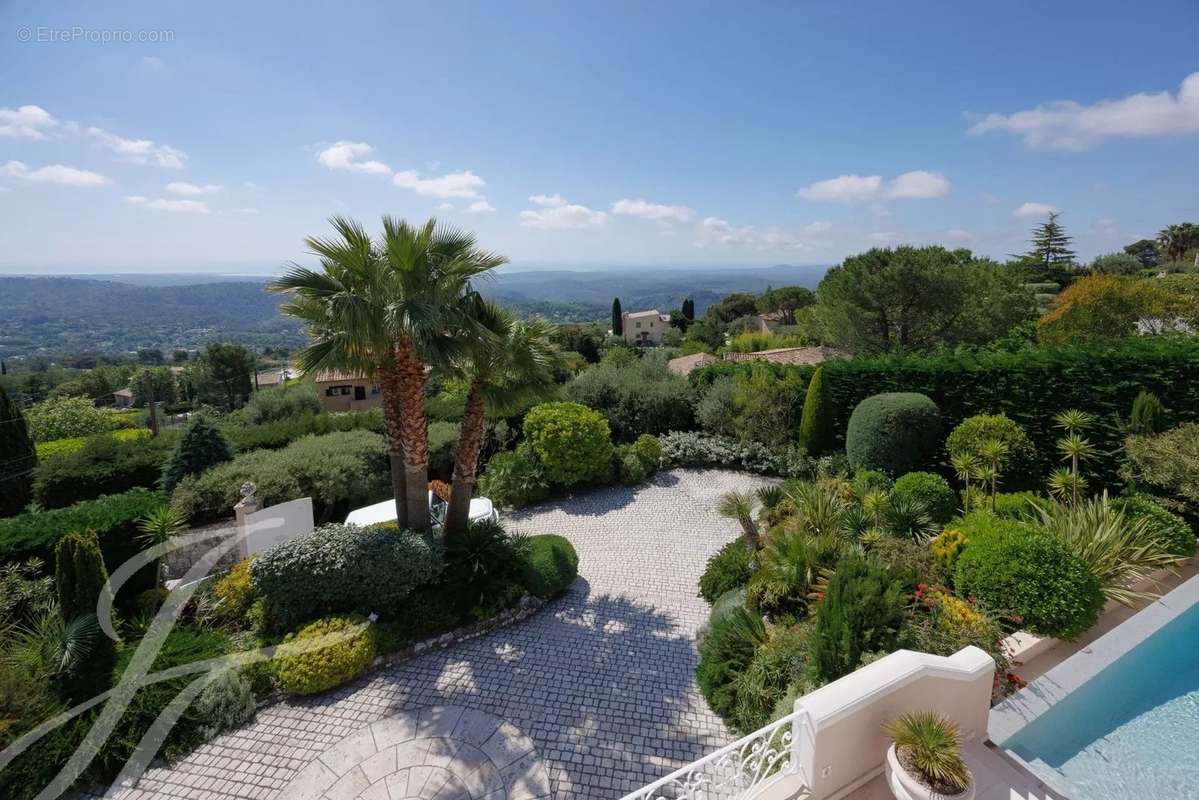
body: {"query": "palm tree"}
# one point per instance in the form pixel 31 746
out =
pixel 345 307
pixel 505 372
pixel 428 274
pixel 1074 446
pixel 1175 240
pixel 742 506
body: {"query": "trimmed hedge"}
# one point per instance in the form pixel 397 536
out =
pixel 550 565
pixel 931 491
pixel 64 447
pixel 113 518
pixel 1020 571
pixel 895 433
pixel 105 465
pixel 1030 386
pixel 349 652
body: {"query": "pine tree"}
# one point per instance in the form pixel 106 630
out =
pixel 1148 415
pixel 201 446
pixel 617 318
pixel 816 430
pixel 80 577
pixel 17 457
pixel 1051 245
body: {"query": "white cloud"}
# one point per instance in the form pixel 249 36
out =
pixel 464 184
pixel 557 214
pixel 547 200
pixel 884 237
pixel 190 189
pixel 445 206
pixel 654 212
pixel 163 204
pixel 1069 125
pixel 140 151
pixel 344 155
pixel 26 122
pixel 54 173
pixel 915 185
pixel 714 230
pixel 959 235
pixel 152 63
pixel 1034 210
pixel 1107 227
pixel 245 211
pixel 817 227
pixel 480 207
pixel 844 189
pixel 919 185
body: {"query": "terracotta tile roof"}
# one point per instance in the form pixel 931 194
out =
pixel 684 364
pixel 790 355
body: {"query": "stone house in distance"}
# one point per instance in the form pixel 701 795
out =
pixel 644 328
pixel 339 391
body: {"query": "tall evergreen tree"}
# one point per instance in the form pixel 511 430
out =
pixel 1051 245
pixel 80 577
pixel 689 308
pixel 17 457
pixel 201 446
pixel 617 318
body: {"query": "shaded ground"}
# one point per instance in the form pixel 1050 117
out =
pixel 600 680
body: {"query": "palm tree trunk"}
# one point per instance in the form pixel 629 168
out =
pixel 389 385
pixel 414 431
pixel 466 463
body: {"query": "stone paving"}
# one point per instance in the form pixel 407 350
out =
pixel 600 681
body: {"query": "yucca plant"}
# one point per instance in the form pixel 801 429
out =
pixel 929 743
pixel 1122 551
pixel 1066 486
pixel 1075 448
pixel 991 452
pixel 743 507
pixel 965 465
pixel 159 527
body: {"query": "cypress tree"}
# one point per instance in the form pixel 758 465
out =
pixel 18 457
pixel 1148 415
pixel 201 446
pixel 816 433
pixel 617 318
pixel 689 308
pixel 79 577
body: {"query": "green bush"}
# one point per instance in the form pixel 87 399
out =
pixel 234 593
pixel 1018 466
pixel 80 577
pixel 227 702
pixel 342 568
pixel 1167 464
pixel 104 465
pixel 483 567
pixel 931 491
pixel 17 457
pixel 861 612
pixel 895 433
pixel 716 411
pixel 726 603
pixel 1017 570
pixel 911 561
pixel 571 441
pixel 816 432
pixel 641 397
pixel 282 432
pixel 286 401
pixel 423 614
pixel 306 667
pixel 725 652
pixel 65 447
pixel 730 568
pixel 780 662
pixel 66 418
pixel 514 479
pixel 768 407
pixel 550 565
pixel 1148 415
pixel 788 566
pixel 113 518
pixel 338 471
pixel 1030 385
pixel 1013 505
pixel 648 450
pixel 696 449
pixel 1167 525
pixel 629 468
pixel 201 447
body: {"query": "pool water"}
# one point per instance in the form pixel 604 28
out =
pixel 1132 731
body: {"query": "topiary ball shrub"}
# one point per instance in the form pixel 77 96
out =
pixel 730 568
pixel 342 568
pixel 1018 467
pixel 894 433
pixel 1167 525
pixel 931 491
pixel 572 442
pixel 551 565
pixel 305 665
pixel 1016 569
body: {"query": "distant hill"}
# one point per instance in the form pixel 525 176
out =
pixel 54 316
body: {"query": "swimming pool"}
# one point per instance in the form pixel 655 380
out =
pixel 1132 729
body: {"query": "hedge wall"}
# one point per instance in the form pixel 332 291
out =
pixel 1030 386
pixel 112 517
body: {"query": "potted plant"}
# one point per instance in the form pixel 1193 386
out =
pixel 924 761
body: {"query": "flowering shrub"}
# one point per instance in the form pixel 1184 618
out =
pixel 67 418
pixel 696 449
pixel 309 668
pixel 234 592
pixel 947 546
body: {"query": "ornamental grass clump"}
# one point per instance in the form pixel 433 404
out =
pixel 928 746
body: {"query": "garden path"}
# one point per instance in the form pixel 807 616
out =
pixel 596 690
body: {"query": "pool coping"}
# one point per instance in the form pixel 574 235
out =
pixel 1026 705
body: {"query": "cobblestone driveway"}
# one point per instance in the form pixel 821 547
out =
pixel 600 680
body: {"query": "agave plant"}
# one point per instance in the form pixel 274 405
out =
pixel 1122 551
pixel 743 507
pixel 931 744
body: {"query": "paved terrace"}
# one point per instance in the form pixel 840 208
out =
pixel 590 698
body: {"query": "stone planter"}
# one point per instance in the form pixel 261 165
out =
pixel 906 787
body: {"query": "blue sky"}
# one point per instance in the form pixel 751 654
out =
pixel 588 134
